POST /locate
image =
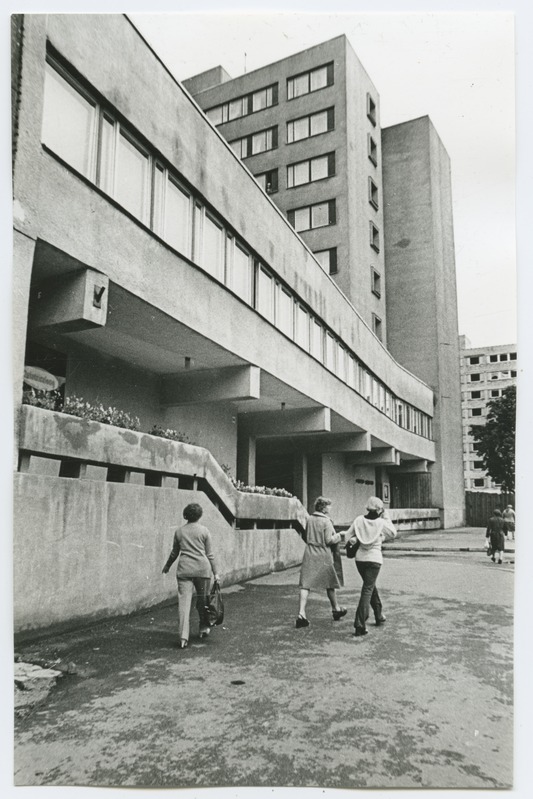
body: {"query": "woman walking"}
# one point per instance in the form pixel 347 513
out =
pixel 192 543
pixel 318 571
pixel 369 531
pixel 496 532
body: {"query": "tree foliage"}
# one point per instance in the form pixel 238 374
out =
pixel 495 441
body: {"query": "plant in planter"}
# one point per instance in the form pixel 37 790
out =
pixel 49 400
pixel 173 435
pixel 76 406
pixel 265 490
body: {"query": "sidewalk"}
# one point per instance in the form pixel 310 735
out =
pixel 414 704
pixel 460 539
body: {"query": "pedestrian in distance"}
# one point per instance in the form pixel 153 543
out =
pixel 370 531
pixel 196 562
pixel 509 518
pixel 317 572
pixel 496 532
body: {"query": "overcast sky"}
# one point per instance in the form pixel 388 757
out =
pixel 456 67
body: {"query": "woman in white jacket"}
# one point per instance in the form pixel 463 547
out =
pixel 370 531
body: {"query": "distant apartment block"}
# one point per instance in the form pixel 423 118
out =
pixel 485 373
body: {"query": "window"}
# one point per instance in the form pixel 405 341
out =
pixel 371 108
pixel 478 465
pixel 351 367
pixel 504 356
pixel 316 341
pixel 494 375
pixel 327 260
pixel 475 395
pixel 241 271
pixel 495 392
pixel 372 150
pixel 131 178
pixel 69 123
pixel 513 374
pixel 301 327
pixel 308 171
pixel 268 181
pixel 284 311
pixel 493 358
pixel 377 326
pixel 477 412
pixel 330 352
pixel 256 143
pixel 177 217
pixel 242 106
pixel 312 125
pixel 474 378
pixel 213 247
pixel 374 237
pixel 375 282
pixel 313 216
pixel 265 294
pixel 373 194
pixel 512 356
pixel 479 482
pixel 473 360
pixel 311 81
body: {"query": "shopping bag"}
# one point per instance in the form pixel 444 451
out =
pixel 215 608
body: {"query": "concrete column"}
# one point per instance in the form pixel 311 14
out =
pixel 23 254
pixel 246 458
pixel 300 477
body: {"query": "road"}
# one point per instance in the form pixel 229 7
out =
pixel 423 702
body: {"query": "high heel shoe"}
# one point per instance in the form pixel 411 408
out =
pixel 338 614
pixel 204 632
pixel 184 643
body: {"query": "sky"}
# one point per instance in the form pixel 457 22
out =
pixel 458 68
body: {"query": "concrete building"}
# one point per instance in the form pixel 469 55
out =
pixel 375 208
pixel 153 274
pixel 485 373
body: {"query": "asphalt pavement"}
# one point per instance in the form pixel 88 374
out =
pixel 425 701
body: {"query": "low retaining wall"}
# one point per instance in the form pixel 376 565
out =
pixel 86 550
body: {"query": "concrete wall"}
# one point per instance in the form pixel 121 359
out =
pixel 89 549
pixel 422 297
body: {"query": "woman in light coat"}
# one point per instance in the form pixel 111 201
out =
pixel 370 531
pixel 317 572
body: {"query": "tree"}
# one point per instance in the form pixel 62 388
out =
pixel 495 441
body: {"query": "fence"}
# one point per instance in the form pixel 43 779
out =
pixel 481 504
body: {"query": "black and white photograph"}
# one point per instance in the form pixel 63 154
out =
pixel 262 313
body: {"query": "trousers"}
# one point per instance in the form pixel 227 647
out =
pixel 186 588
pixel 369 593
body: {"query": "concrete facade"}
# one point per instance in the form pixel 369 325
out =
pixel 485 373
pixel 422 298
pixel 346 97
pixel 153 274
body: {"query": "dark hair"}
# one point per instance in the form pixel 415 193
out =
pixel 497 512
pixel 192 512
pixel 322 503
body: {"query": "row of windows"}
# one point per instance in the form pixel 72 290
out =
pixel 112 158
pixel 473 360
pixel 266 97
pixel 478 377
pixel 244 105
pixel 478 395
pixel 255 143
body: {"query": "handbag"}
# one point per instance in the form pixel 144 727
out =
pixel 352 545
pixel 215 608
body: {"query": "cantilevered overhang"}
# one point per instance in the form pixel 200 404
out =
pixel 279 392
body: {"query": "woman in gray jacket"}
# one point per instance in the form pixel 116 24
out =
pixel 192 543
pixel 370 531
